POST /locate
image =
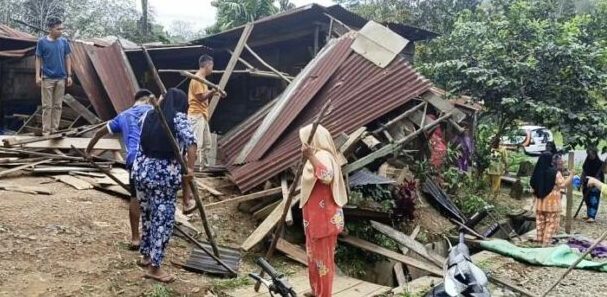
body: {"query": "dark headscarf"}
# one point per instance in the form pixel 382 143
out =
pixel 544 176
pixel 593 167
pixel 154 142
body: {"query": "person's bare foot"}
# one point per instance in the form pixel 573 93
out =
pixel 144 262
pixel 308 294
pixel 158 274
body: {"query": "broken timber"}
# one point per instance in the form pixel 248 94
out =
pixel 267 225
pixel 76 183
pixel 66 143
pixel 264 63
pixel 26 189
pixel 292 251
pixel 231 65
pixel 406 241
pixel 363 244
pixel 253 196
pixel 433 257
pixel 81 109
pixel 390 148
pixel 14 169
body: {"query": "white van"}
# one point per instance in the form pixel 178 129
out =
pixel 532 139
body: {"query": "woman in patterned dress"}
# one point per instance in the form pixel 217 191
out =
pixel 547 182
pixel 158 176
pixel 323 193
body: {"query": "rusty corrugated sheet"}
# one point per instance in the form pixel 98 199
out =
pixel 361 93
pixel 308 84
pixel 84 70
pixel 8 32
pixel 115 74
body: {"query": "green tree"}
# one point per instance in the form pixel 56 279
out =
pixel 528 62
pixel 234 13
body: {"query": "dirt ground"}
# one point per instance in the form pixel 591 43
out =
pixel 75 243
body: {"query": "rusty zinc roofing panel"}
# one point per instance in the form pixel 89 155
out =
pixel 84 70
pixel 8 32
pixel 116 75
pixel 294 101
pixel 357 100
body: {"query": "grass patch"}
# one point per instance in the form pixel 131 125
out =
pixel 160 291
pixel 230 284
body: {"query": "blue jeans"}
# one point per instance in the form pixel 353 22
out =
pixel 592 202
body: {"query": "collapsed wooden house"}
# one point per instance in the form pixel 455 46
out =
pixel 278 72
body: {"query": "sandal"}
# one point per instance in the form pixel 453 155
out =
pixel 133 247
pixel 167 278
pixel 590 221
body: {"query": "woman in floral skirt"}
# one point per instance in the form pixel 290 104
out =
pixel 158 176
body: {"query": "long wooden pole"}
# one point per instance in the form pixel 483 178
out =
pixel 569 213
pixel 104 170
pixel 178 156
pixel 289 200
pixel 264 63
pixel 572 266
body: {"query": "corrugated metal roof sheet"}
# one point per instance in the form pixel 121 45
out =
pixel 308 84
pixel 8 32
pixel 90 82
pixel 14 43
pixel 306 16
pixel 360 91
pixel 115 74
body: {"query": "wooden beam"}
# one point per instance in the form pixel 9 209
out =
pixel 285 195
pixel 368 246
pixel 14 169
pixel 569 211
pixel 406 241
pixel 293 251
pixel 208 188
pixel 248 197
pixel 81 109
pixel 26 189
pixel 353 138
pixel 267 225
pixel 400 117
pixel 241 60
pixel 264 63
pixel 390 148
pixel 66 143
pixel 230 67
pixel 74 182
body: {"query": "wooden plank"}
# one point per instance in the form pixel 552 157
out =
pixel 363 289
pixel 267 225
pixel 14 169
pixel 353 138
pixel 401 279
pixel 61 169
pixel 114 189
pixel 265 211
pixel 413 235
pixel 81 109
pixel 390 148
pixel 444 106
pixel 67 142
pixel 295 252
pixel 357 242
pixel 90 174
pixel 285 195
pixel 231 64
pixel 208 188
pixel 74 182
pixel 248 197
pixel 212 156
